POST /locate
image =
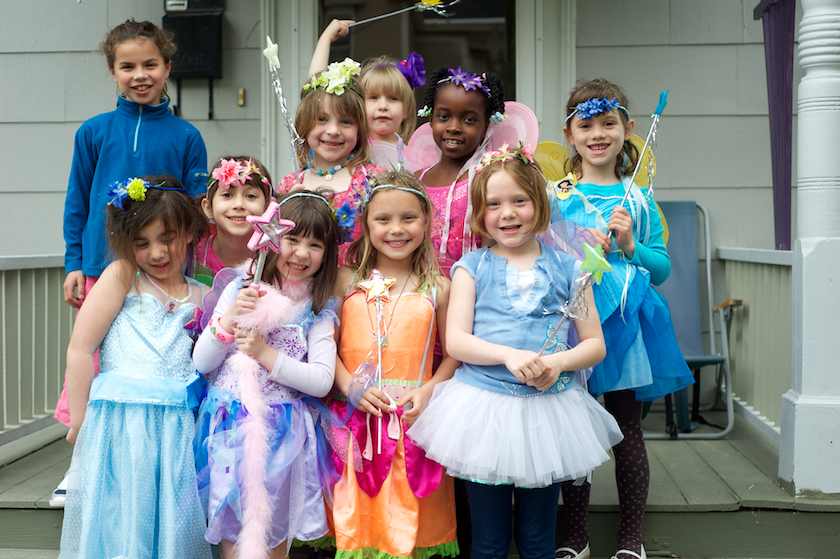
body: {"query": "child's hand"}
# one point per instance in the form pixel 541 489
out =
pixel 525 365
pixel 246 301
pixel 296 187
pixel 74 284
pixel 250 343
pixel 337 28
pixel 545 380
pixel 622 224
pixel 419 399
pixel 601 238
pixel 374 400
pixel 71 435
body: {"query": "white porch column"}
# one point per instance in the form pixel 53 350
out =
pixel 545 60
pixel 293 25
pixel 810 441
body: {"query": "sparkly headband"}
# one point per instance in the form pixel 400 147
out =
pixel 504 153
pixel 594 107
pixel 336 78
pixel 134 189
pixel 232 171
pixel 411 68
pixel 344 216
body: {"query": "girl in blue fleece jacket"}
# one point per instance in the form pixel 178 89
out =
pixel 140 137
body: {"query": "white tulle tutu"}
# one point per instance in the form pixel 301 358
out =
pixel 494 438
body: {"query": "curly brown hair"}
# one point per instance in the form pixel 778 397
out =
pixel 132 30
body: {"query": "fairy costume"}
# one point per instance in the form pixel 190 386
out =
pixel 132 477
pixel 290 482
pixel 642 352
pixel 397 503
pixel 351 198
pixel 487 427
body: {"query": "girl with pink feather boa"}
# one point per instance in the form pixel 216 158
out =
pixel 260 451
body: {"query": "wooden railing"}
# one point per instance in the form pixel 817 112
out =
pixel 760 339
pixel 34 331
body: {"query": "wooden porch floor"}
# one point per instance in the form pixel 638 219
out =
pixel 726 493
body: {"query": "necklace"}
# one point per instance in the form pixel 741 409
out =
pixel 172 303
pixel 328 174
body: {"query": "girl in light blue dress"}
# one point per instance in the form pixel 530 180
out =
pixel 131 486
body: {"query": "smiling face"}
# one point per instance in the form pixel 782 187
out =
pixel 160 253
pixel 140 71
pixel 396 224
pixel 333 137
pixel 230 207
pixel 300 257
pixel 598 140
pixel 508 212
pixel 459 121
pixel 385 114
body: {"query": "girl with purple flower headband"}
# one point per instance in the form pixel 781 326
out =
pixel 389 86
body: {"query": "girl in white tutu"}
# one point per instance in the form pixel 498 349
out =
pixel 512 422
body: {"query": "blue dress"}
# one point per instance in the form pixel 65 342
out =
pixel 484 425
pixel 131 489
pixel 642 351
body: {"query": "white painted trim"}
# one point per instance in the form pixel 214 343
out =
pixel 31 262
pixel 19 448
pixel 756 255
pixel 764 425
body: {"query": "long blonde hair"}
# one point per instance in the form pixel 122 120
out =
pixel 362 255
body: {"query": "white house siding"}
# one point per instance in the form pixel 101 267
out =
pixel 55 79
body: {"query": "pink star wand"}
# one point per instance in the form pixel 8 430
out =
pixel 269 229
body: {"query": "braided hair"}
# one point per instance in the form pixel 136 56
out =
pixel 494 103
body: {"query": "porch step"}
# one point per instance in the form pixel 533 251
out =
pixel 28 553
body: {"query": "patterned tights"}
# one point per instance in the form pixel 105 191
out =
pixel 632 476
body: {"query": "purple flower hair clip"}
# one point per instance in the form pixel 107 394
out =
pixel 469 81
pixel 414 70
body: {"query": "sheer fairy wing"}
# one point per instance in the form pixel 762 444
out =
pixel 521 125
pixel 421 151
pixel 220 281
pixel 552 157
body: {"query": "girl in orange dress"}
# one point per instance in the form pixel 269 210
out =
pixel 391 501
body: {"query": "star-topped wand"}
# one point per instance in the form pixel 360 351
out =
pixel 378 288
pixel 269 229
pixel 593 267
pixel 270 52
pixel 425 5
pixel 651 135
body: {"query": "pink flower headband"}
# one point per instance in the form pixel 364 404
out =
pixel 504 153
pixel 232 171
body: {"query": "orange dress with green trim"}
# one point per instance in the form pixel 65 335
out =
pixel 397 502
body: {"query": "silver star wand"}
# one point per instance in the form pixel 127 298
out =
pixel 270 52
pixel 427 5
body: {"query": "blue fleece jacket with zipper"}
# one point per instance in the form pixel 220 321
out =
pixel 131 141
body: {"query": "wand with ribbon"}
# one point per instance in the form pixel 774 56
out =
pixel 270 52
pixel 426 5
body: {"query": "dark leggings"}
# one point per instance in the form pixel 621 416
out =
pixel 632 476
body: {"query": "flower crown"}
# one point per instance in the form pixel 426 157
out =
pixel 412 69
pixel 504 153
pixel 469 81
pixel 336 78
pixel 344 216
pixel 232 171
pixel 594 107
pixel 134 189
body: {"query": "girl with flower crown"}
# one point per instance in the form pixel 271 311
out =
pixel 262 457
pixel 389 86
pixel 335 156
pixel 391 501
pixel 643 359
pixel 238 187
pixel 512 422
pixel 133 424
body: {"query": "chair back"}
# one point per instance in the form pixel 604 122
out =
pixel 682 288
